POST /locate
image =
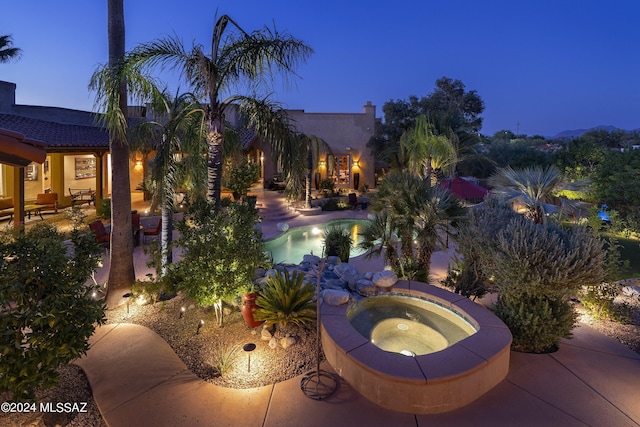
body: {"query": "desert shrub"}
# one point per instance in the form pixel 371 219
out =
pixel 535 268
pixel 286 299
pixel 47 314
pixel 537 322
pixel 327 187
pixel 466 279
pixel 238 176
pixel 337 242
pixel 335 205
pixel 599 298
pixel 221 251
pixel 104 208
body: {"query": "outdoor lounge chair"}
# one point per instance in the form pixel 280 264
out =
pixel 153 231
pixel 353 201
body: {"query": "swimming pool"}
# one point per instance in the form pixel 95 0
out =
pixel 297 242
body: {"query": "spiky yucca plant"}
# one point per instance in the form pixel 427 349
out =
pixel 285 299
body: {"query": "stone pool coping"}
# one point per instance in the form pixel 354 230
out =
pixel 427 384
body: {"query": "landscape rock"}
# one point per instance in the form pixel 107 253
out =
pixel 273 343
pixel 384 279
pixel 334 260
pixel 266 334
pixel 335 297
pixel 365 287
pixel 348 273
pixel 287 342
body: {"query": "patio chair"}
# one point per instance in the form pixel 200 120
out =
pixel 135 228
pixel 153 231
pixel 100 234
pixel 353 201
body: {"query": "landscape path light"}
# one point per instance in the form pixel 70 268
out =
pixel 249 347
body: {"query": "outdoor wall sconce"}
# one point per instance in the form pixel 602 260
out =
pixel 321 163
pixel 355 164
pixel 199 326
pixel 249 348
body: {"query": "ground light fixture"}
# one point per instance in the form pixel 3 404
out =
pixel 248 348
pixel 127 296
pixel 200 323
pixel 182 310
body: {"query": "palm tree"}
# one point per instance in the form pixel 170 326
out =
pixel 236 58
pixel 425 151
pixel 7 52
pixel 298 156
pixel 535 188
pixel 112 97
pixel 178 134
pixel 409 207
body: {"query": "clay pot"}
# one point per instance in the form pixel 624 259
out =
pixel 248 307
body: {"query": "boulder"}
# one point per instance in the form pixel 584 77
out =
pixel 365 287
pixel 384 279
pixel 311 259
pixel 338 284
pixel 348 273
pixel 335 297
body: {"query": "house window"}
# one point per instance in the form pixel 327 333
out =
pixel 338 168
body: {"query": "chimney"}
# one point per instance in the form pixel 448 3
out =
pixel 7 96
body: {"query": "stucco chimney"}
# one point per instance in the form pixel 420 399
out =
pixel 7 96
pixel 369 108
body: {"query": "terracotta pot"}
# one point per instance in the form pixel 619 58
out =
pixel 248 307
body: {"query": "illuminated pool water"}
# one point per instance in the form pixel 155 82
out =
pixel 295 243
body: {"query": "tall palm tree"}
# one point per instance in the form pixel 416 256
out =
pixel 177 134
pixel 425 150
pixel 236 58
pixel 7 51
pixel 535 188
pixel 112 98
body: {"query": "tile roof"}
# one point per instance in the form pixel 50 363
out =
pixel 58 136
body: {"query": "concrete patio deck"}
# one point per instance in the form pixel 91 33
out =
pixel 137 380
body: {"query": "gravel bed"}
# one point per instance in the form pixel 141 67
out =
pixel 201 352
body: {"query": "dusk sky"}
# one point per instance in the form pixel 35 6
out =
pixel 540 66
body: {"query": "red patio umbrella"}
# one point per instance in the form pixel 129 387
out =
pixel 464 189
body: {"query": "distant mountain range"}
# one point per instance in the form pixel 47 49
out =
pixel 579 132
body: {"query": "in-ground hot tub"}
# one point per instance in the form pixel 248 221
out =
pixel 420 349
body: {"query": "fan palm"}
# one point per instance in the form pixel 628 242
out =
pixel 425 151
pixel 236 58
pixel 414 211
pixel 7 52
pixel 534 187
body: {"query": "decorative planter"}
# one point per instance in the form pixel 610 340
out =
pixel 248 307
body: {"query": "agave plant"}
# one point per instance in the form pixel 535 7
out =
pixel 286 298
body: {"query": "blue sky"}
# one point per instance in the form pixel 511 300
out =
pixel 540 66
